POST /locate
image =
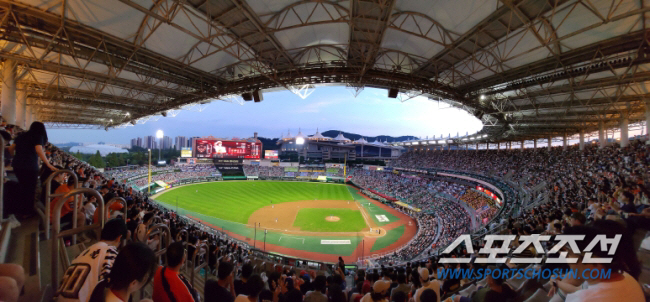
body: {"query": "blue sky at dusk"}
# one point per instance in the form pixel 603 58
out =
pixel 327 108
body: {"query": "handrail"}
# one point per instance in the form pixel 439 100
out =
pixel 200 251
pixel 179 238
pixel 56 227
pixel 156 220
pixel 114 200
pixel 163 230
pixel 45 216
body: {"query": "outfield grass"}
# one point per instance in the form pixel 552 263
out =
pixel 313 220
pixel 236 201
pixel 391 236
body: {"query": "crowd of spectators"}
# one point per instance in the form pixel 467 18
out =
pixel 125 173
pixel 591 191
pixel 440 221
pixel 483 205
pixel 172 177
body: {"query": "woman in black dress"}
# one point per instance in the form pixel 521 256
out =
pixel 28 148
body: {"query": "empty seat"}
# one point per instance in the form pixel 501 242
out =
pixel 516 283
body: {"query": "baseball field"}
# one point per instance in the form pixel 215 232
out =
pixel 317 221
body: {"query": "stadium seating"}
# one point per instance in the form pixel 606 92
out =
pixel 571 181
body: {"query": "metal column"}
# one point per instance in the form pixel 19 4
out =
pixel 647 119
pixel 601 135
pixel 625 139
pixel 21 106
pixel 582 140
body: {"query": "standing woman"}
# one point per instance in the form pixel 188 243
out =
pixel 27 149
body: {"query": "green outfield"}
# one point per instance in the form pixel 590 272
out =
pixel 228 205
pixel 314 220
pixel 237 200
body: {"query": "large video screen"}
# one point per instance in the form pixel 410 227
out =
pixel 271 154
pixel 186 152
pixel 226 149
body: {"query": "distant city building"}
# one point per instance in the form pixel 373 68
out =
pixel 190 141
pixel 180 142
pixel 134 142
pixel 149 142
pixel 167 142
pixel 139 144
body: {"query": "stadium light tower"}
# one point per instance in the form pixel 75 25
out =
pixel 149 174
pixel 300 141
pixel 159 135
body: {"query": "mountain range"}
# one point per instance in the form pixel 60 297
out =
pixel 271 143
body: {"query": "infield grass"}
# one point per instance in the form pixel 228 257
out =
pixel 313 220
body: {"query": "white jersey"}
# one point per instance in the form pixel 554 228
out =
pixel 89 268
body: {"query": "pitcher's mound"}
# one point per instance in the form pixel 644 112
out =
pixel 332 218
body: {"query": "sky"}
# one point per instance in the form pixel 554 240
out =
pixel 371 113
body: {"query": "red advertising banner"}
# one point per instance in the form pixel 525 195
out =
pixel 208 148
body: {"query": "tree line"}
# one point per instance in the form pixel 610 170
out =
pixel 136 156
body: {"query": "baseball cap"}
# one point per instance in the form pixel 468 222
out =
pixel 380 286
pixel 424 273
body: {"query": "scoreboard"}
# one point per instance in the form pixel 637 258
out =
pixel 214 148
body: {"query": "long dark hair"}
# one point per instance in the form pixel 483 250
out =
pixel 136 261
pixel 37 132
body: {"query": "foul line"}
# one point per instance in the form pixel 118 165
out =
pixel 365 215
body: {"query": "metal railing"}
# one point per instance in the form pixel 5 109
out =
pixel 58 235
pixel 45 212
pixel 179 238
pixel 200 255
pixel 164 239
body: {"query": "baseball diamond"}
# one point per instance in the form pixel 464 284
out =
pixel 308 220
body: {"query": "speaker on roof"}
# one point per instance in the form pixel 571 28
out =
pixel 257 96
pixel 392 93
pixel 247 96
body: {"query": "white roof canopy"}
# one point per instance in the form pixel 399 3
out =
pixel 527 69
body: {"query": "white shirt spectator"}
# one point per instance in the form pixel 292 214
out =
pixel 627 290
pixel 85 271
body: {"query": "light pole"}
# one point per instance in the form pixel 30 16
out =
pixel 159 135
pixel 149 174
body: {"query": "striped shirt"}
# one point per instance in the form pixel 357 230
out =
pixel 89 268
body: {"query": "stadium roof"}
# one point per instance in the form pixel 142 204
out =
pixel 527 69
